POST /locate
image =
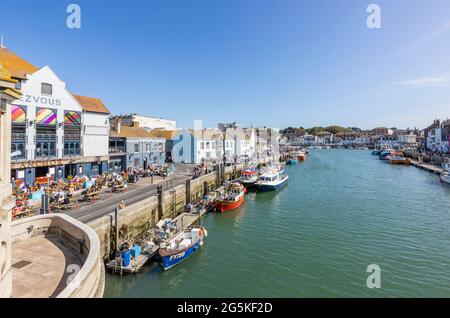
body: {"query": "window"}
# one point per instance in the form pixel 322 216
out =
pixel 207 145
pixel 18 85
pixel 136 162
pixel 148 147
pixel 46 89
pixel 202 145
pixel 213 145
pixel 136 147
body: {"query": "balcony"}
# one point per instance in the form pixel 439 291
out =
pixel 117 150
pixel 45 137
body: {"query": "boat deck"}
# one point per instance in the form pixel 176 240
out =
pixel 187 219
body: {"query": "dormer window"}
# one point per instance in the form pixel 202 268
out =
pixel 46 89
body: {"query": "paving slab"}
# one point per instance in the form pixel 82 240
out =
pixel 46 273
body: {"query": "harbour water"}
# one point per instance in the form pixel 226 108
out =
pixel 342 210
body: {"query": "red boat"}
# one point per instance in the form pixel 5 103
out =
pixel 234 197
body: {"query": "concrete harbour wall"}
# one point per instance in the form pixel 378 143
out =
pixel 139 217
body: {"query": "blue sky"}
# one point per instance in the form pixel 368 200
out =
pixel 272 63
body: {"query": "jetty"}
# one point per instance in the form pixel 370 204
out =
pixel 136 264
pixel 426 166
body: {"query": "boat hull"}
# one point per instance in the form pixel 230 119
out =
pixel 406 162
pixel 445 178
pixel 302 157
pixel 272 187
pixel 248 184
pixel 293 161
pixel 170 260
pixel 225 206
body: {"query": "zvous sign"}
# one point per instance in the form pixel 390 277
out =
pixel 43 100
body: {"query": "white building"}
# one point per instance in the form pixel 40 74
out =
pixel 53 134
pixel 407 139
pixel 244 142
pixel 147 122
pixel 209 145
pixel 95 126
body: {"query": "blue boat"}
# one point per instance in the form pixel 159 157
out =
pixel 292 161
pixel 376 152
pixel 385 154
pixel 271 180
pixel 181 247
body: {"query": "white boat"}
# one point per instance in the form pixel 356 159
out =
pixel 271 180
pixel 249 177
pixel 445 176
pixel 181 246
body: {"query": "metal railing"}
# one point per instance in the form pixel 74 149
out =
pixel 117 149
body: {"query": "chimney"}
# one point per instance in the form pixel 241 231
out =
pixel 117 124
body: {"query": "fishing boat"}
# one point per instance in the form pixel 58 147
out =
pixel 271 180
pixel 181 246
pixel 249 177
pixel 233 198
pixel 399 160
pixel 300 155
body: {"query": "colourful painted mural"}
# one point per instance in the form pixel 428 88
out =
pixel 18 114
pixel 72 119
pixel 45 116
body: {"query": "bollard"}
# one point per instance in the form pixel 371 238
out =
pixel 205 188
pixel 160 202
pixel 188 191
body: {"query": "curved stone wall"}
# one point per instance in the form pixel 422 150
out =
pixel 89 281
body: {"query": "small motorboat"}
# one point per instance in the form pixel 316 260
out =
pixel 233 197
pixel 271 180
pixel 249 177
pixel 300 155
pixel 399 160
pixel 181 246
pixel 292 161
pixel 386 154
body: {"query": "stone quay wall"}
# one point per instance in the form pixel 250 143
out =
pixel 135 219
